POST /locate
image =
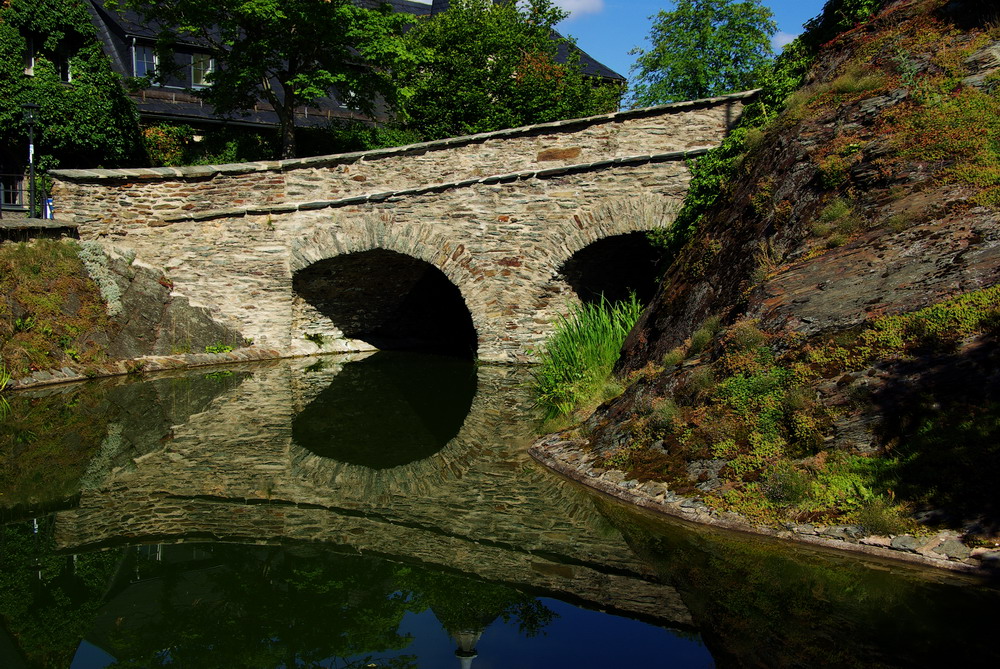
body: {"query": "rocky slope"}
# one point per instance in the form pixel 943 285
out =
pixel 822 351
pixel 71 310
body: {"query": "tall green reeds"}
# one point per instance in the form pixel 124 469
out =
pixel 4 380
pixel 577 359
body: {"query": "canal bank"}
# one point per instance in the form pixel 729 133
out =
pixel 942 549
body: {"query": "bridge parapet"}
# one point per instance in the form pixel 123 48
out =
pixel 110 201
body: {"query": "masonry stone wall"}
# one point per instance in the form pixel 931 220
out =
pixel 498 213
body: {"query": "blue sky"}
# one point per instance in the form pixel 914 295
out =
pixel 608 29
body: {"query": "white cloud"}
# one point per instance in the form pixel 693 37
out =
pixel 578 7
pixel 779 41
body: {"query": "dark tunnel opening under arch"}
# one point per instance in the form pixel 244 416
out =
pixel 390 300
pixel 614 267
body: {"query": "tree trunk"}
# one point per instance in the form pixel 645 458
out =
pixel 286 127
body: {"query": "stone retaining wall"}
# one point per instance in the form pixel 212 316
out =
pixel 943 549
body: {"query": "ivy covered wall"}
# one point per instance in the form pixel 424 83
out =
pixel 86 122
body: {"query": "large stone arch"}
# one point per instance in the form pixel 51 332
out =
pixel 342 235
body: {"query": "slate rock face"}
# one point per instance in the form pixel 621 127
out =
pixel 151 319
pixel 910 234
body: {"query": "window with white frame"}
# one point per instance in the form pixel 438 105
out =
pixel 144 60
pixel 202 65
pixel 29 57
pixel 61 61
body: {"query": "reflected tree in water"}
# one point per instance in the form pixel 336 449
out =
pixel 466 607
pixel 49 601
pixel 223 605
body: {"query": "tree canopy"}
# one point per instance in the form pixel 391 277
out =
pixel 289 53
pixel 92 122
pixel 703 48
pixel 481 66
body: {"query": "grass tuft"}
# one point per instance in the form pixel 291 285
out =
pixel 577 359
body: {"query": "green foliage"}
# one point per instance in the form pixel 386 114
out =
pixel 481 66
pixel 316 338
pixel 165 143
pixel 218 348
pixel 674 356
pixel 703 336
pixel 666 413
pixel 939 327
pixel 703 48
pixel 836 221
pixel 348 136
pixel 178 144
pixel 46 445
pixel 461 603
pixel 842 483
pixel 960 130
pixel 712 173
pixel 48 306
pixel 857 79
pixel 90 122
pixel 308 49
pixel 4 380
pixel 579 356
pixel 879 516
pixel 786 485
pixel 48 601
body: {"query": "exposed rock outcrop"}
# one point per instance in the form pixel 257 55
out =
pixel 829 331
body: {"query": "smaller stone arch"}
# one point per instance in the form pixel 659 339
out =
pixel 614 217
pixel 607 252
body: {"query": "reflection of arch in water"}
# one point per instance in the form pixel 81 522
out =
pixel 499 399
pixel 388 410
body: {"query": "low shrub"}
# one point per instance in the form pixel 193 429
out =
pixel 879 516
pixel 703 336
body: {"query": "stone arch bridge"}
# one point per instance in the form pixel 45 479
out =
pixel 474 243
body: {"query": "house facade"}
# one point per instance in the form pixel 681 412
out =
pixel 131 44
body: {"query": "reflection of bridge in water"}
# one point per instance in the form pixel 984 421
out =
pixel 479 505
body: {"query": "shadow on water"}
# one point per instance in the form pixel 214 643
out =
pixel 759 602
pixel 389 409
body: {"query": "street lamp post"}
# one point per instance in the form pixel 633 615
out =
pixel 30 109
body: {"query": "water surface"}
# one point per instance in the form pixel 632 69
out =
pixel 382 511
